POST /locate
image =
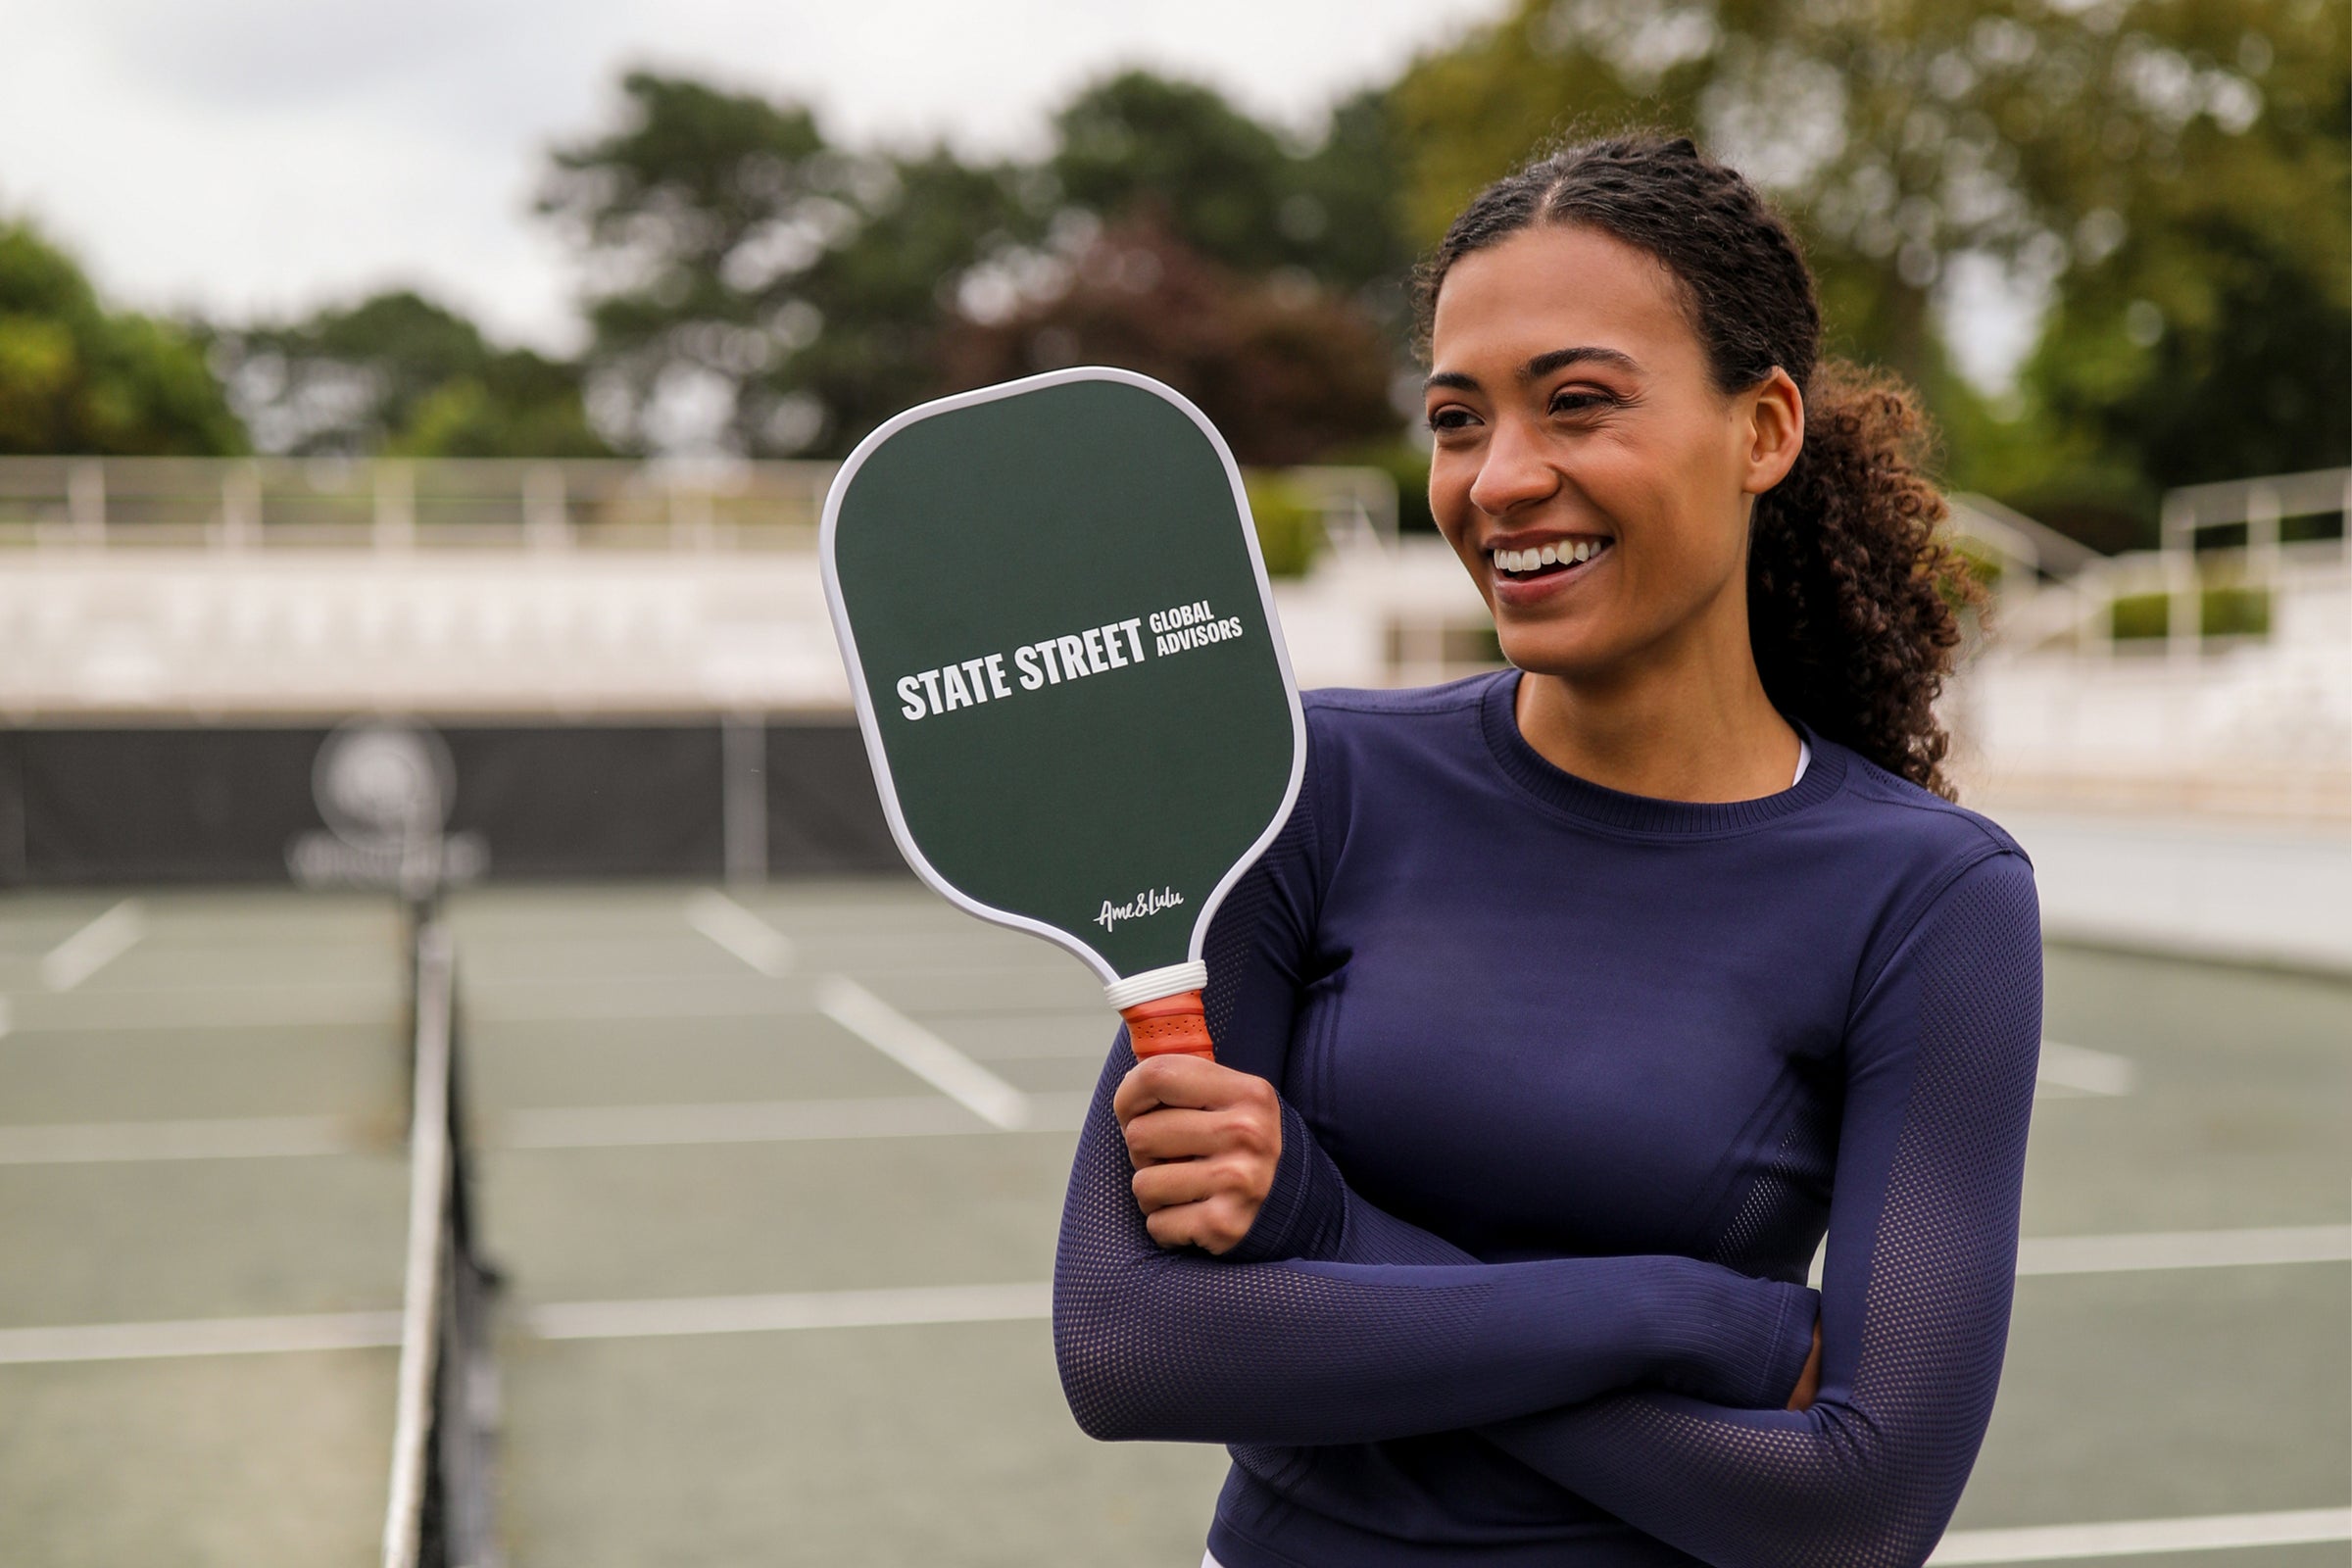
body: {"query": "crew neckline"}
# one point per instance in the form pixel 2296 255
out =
pixel 1532 771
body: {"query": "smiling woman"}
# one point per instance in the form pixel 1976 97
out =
pixel 1578 1004
pixel 1772 512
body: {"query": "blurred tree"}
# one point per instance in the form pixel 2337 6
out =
pixel 1910 140
pixel 399 373
pixel 77 377
pixel 1231 187
pixel 1218 177
pixel 1346 210
pixel 753 289
pixel 2204 328
pixel 1285 370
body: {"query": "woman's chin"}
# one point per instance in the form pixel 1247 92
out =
pixel 1571 653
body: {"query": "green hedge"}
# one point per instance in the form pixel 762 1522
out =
pixel 1290 526
pixel 2231 612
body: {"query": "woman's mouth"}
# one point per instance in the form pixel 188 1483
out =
pixel 1553 559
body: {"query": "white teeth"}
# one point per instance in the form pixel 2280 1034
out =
pixel 1561 553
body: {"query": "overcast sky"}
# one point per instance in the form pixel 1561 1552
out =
pixel 265 156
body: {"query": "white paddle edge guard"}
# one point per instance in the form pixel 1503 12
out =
pixel 1152 983
pixel 869 728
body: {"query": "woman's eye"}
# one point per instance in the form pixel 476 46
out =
pixel 1452 418
pixel 1581 401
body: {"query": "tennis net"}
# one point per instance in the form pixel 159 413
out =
pixel 439 1513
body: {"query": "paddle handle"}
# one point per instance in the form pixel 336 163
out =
pixel 1166 1025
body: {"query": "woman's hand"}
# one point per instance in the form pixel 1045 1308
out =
pixel 1808 1381
pixel 1204 1141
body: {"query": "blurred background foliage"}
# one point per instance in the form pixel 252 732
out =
pixel 78 377
pixel 2151 194
pixel 402 376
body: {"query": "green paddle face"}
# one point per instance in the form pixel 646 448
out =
pixel 1065 660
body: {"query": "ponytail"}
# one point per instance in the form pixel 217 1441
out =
pixel 1851 597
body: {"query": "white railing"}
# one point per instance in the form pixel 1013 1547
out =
pixel 394 504
pixel 2065 598
pixel 2246 714
pixel 398 504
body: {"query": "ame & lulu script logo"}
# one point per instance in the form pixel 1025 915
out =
pixel 1147 902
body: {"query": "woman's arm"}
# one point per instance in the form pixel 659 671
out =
pixel 1178 1346
pixel 1915 1308
pixel 1260 1347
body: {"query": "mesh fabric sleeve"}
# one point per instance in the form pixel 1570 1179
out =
pixel 1915 1300
pixel 1254 1348
pixel 1179 1346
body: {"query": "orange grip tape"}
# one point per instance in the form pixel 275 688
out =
pixel 1169 1024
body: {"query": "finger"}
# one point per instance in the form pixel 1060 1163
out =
pixel 1186 1181
pixel 1137 1094
pixel 1246 1133
pixel 1215 1226
pixel 1171 1134
pixel 1194 1083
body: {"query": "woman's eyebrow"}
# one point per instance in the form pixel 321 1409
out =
pixel 1542 364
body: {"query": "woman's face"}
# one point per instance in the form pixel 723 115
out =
pixel 1586 469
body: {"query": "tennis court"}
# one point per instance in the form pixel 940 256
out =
pixel 774 1178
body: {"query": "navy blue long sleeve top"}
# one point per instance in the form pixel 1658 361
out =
pixel 1573 1083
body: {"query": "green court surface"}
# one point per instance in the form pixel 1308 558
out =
pixel 773 1179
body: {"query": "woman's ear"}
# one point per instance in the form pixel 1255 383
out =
pixel 1772 421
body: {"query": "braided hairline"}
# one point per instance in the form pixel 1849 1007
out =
pixel 1851 596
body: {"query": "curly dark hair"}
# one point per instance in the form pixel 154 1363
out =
pixel 1852 600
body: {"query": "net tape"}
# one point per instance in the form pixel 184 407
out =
pixel 439 1513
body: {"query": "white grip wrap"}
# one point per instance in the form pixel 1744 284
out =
pixel 1153 984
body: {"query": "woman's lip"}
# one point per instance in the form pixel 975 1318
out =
pixel 1537 540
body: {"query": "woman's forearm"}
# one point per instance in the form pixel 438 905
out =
pixel 1177 1345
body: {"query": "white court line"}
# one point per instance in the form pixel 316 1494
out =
pixel 921 1051
pixel 219 1335
pixel 553 1127
pixel 811 1310
pixel 224 1137
pixel 184 1010
pixel 93 947
pixel 2084 1071
pixel 2131 1537
pixel 770 1121
pixel 2175 1249
pixel 741 932
pixel 880 1308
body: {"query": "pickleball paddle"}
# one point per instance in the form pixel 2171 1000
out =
pixel 1068 671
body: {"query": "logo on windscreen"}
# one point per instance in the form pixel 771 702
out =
pixel 385 788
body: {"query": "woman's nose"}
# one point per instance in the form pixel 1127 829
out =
pixel 1514 473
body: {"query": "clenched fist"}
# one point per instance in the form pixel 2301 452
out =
pixel 1204 1141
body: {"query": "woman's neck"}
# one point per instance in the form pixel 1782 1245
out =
pixel 1695 727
